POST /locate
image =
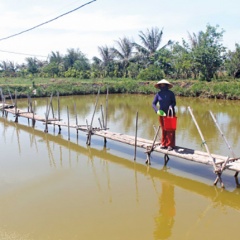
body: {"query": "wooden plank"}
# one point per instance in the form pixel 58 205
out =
pixel 180 152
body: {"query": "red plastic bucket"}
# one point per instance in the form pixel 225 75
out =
pixel 170 122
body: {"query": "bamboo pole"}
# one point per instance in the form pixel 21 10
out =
pixel 103 122
pixel 50 106
pixel 16 111
pixel 88 130
pixel 46 118
pixel 90 127
pixel 106 117
pixel 100 123
pixel 58 109
pixel 75 110
pixel 2 102
pixel 151 149
pixel 68 124
pixel 33 112
pixel 58 106
pixel 216 170
pixel 224 138
pixel 135 145
pixel 10 96
pixel 106 113
pixel 28 108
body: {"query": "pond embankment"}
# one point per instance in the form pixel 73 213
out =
pixel 66 86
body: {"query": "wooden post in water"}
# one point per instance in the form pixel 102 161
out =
pixel 16 111
pixel 100 123
pixel 10 96
pixel 75 110
pixel 148 152
pixel 135 145
pixel 58 107
pixel 90 128
pixel 51 105
pixel 2 102
pixel 29 109
pixel 68 124
pixel 106 117
pixel 46 118
pixel 33 112
pixel 103 122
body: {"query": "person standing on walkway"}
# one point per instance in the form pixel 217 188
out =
pixel 166 100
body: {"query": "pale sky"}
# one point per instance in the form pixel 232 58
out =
pixel 104 21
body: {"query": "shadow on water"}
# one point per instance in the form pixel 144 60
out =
pixel 169 180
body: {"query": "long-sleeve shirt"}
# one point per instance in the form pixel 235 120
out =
pixel 165 98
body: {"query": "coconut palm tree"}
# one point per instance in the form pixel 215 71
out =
pixel 106 55
pixel 55 57
pixel 194 39
pixel 32 65
pixel 151 41
pixel 9 68
pixel 124 52
pixel 104 64
pixel 75 58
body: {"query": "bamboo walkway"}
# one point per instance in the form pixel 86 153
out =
pixel 219 163
pixel 193 185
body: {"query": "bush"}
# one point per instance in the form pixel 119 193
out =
pixel 151 73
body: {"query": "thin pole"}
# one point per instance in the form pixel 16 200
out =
pixel 95 107
pixel 216 170
pixel 16 112
pixel 90 127
pixel 29 107
pixel 106 114
pixel 135 147
pixel 75 109
pixel 68 124
pixel 58 106
pixel 46 118
pixel 10 95
pixel 106 118
pixel 229 147
pixel 102 116
pixel 151 149
pixel 51 106
pixel 2 102
pixel 203 140
pixel 33 112
pixel 99 120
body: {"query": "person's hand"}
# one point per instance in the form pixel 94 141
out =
pixel 161 113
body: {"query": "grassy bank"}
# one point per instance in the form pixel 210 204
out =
pixel 42 87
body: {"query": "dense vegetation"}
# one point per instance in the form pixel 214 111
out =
pixel 200 66
pixel 201 57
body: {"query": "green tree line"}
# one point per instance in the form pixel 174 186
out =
pixel 202 56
